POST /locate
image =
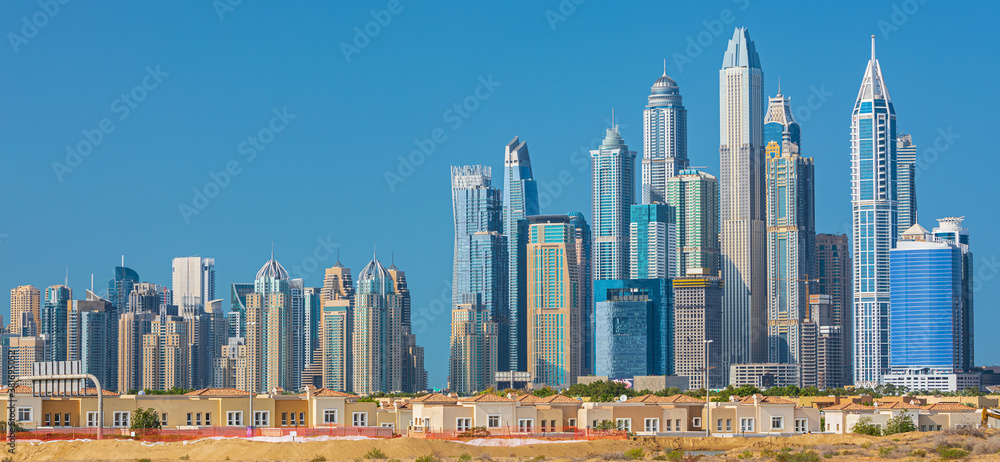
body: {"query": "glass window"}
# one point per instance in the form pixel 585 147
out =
pixel 653 425
pixel 66 419
pixel 777 422
pixel 163 419
pixel 493 421
pixel 48 419
pixel 524 425
pixel 329 416
pixel 696 422
pixel 121 419
pixel 234 418
pixel 208 418
pixel 189 418
pixel 284 419
pixel 91 419
pixel 360 419
pixel 198 419
pixel 302 418
pixel 463 423
pixel 261 418
pixel 24 414
pixel 625 424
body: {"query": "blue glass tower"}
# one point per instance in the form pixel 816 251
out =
pixel 652 242
pixel 925 276
pixel 873 198
pixel 53 317
pixel 520 200
pixel 586 296
pixel 613 170
pixel 634 322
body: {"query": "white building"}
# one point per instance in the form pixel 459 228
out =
pixel 664 129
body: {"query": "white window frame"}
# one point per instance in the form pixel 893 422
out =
pixel 359 419
pixel 121 419
pixel 208 419
pixel 696 422
pixel 388 425
pixel 463 423
pixel 261 418
pixel 571 423
pixel 677 424
pixel 190 418
pixel 24 413
pixel 746 425
pixel 234 418
pixel 302 418
pixel 163 419
pixel 327 413
pixel 91 418
pixel 719 427
pixel 525 425
pixel 729 425
pixel 779 420
pixel 801 425
pixel 652 424
pixel 493 420
pixel 624 424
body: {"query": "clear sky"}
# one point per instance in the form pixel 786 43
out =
pixel 184 85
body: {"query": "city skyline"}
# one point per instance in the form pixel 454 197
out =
pixel 43 254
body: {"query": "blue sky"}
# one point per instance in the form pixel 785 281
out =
pixel 191 89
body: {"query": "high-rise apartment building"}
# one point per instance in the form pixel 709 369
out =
pixel 697 329
pixel 652 242
pixel 520 199
pixel 833 278
pixel 412 376
pixel 268 356
pixel 613 171
pixel 634 324
pixel 335 344
pixel 873 198
pixel 132 328
pixel 53 327
pixel 822 348
pixel 664 129
pixel 950 229
pixel 166 354
pixel 337 284
pixel 310 328
pixel 193 284
pixel 89 327
pixel 555 320
pixel 906 182
pixel 585 294
pixel 791 231
pixel 24 299
pixel 26 351
pixel 473 347
pixel 376 335
pixel 694 196
pixel 742 203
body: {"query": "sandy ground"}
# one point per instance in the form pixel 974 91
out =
pixel 828 447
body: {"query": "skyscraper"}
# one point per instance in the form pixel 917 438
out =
pixel 268 358
pixel 337 283
pixel 833 278
pixel 478 270
pixel 520 199
pixel 906 183
pixel 473 347
pixel 950 229
pixel 335 344
pixel 634 324
pixel 697 319
pixel 193 284
pixel 89 325
pixel 165 354
pixel 873 198
pixel 555 348
pixel 310 331
pixel 376 332
pixel 410 374
pixel 664 128
pixel 613 170
pixel 24 299
pixel 694 196
pixel 791 232
pixel 652 242
pixel 53 327
pixel 585 295
pixel 742 203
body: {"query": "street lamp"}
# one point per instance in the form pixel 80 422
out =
pixel 708 393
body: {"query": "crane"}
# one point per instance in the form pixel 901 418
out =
pixel 987 413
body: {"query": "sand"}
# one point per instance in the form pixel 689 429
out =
pixel 858 447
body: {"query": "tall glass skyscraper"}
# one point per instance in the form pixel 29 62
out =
pixel 791 232
pixel 520 199
pixel 906 182
pixel 613 170
pixel 742 203
pixel 950 230
pixel 634 327
pixel 926 303
pixel 652 242
pixel 873 198
pixel 664 129
pixel 377 335
pixel 585 295
pixel 53 328
pixel 694 195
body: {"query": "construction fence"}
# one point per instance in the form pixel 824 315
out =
pixel 167 435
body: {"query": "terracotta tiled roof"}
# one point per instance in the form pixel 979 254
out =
pixel 526 398
pixel 17 389
pixel 405 405
pixel 897 405
pixel 486 398
pixel 644 399
pixel 217 392
pixel 93 392
pixel 849 407
pixel 556 399
pixel 680 399
pixel 326 392
pixel 434 398
pixel 947 407
pixel 766 400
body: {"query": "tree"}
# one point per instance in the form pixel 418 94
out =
pixel 864 426
pixel 544 392
pixel 901 423
pixel 145 419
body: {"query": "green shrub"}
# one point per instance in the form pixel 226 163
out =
pixel 951 453
pixel 375 453
pixel 634 454
pixel 427 458
pixel 144 459
pixel 746 454
pixel 675 455
pixel 185 457
pixel 901 423
pixel 885 451
pixel 918 453
pixel 464 458
pixel 807 456
pixel 318 459
pixel 864 426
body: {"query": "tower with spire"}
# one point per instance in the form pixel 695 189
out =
pixel 613 181
pixel 664 130
pixel 873 200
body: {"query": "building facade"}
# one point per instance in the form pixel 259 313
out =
pixel 473 347
pixel 664 129
pixel 613 171
pixel 791 232
pixel 634 324
pixel 54 315
pixel 950 229
pixel 520 199
pixel 742 203
pixel 833 278
pixel 697 330
pixel 694 196
pixel 24 299
pixel 874 202
pixel 906 183
pixel 585 293
pixel 652 242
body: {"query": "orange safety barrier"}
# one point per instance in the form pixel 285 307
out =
pixel 568 433
pixel 171 435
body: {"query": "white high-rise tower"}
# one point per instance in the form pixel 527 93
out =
pixel 664 129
